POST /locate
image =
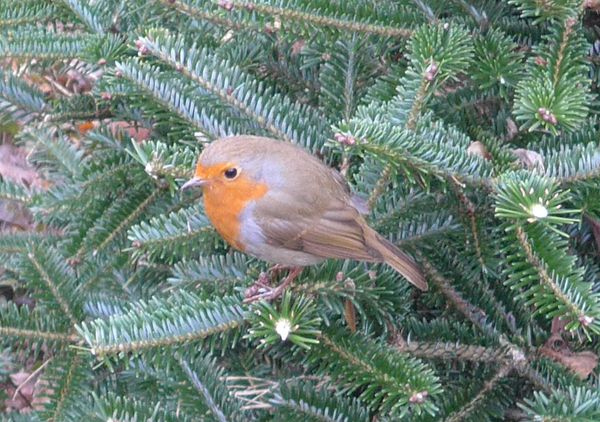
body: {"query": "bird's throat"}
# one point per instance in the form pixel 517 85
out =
pixel 225 202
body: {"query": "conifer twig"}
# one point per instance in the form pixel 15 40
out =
pixel 33 334
pixel 380 186
pixel 74 364
pixel 477 316
pixel 199 386
pixel 52 286
pixel 315 19
pixel 454 351
pixel 204 15
pixel 489 385
pixel 545 277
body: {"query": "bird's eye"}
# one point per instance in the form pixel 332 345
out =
pixel 231 173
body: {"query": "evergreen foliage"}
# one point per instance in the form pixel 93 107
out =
pixel 469 126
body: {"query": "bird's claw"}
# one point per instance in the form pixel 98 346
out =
pixel 254 293
pixel 261 289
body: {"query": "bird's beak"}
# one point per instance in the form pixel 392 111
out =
pixel 193 182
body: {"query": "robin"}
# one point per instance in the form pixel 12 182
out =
pixel 273 200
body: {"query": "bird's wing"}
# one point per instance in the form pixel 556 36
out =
pixel 324 227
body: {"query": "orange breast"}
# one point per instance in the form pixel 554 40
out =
pixel 225 201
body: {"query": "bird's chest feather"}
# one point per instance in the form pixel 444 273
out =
pixel 225 203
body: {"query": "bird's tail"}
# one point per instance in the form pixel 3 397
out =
pixel 401 262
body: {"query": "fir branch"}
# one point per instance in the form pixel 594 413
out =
pixel 438 54
pixel 269 110
pixel 126 222
pixel 68 384
pixel 199 386
pixel 392 380
pixel 473 313
pixel 207 85
pixel 44 45
pixel 482 395
pixel 25 12
pixel 346 75
pixel 431 152
pixel 38 335
pixel 179 319
pixel 549 10
pixel 421 228
pixel 177 234
pixel 169 94
pixel 33 330
pixel 572 403
pixel 478 318
pixel 547 98
pixel 454 351
pixel 87 15
pixel 321 20
pixel 56 154
pixel 19 101
pixel 197 13
pixel 380 186
pixel 419 101
pixel 98 178
pixel 471 215
pixel 17 243
pixel 295 398
pixel 52 284
pixel 542 267
pixel 112 406
pixel 572 164
pixel 117 218
pixel 546 278
pixel 165 161
pixel 10 191
pixel 213 269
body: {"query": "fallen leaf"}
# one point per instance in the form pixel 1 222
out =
pixel 529 159
pixel 137 132
pixel 479 149
pixel 512 130
pixel 556 348
pixel 14 166
pixel 86 126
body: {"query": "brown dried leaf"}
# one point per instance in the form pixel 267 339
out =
pixel 19 378
pixel 20 393
pixel 14 166
pixel 593 5
pixel 581 363
pixel 512 130
pixel 350 315
pixel 529 159
pixel 137 132
pixel 479 149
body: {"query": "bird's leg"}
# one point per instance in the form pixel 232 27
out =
pixel 276 270
pixel 272 293
pixel 266 279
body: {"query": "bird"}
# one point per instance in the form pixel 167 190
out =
pixel 275 201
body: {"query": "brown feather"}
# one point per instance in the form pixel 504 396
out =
pixel 399 261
